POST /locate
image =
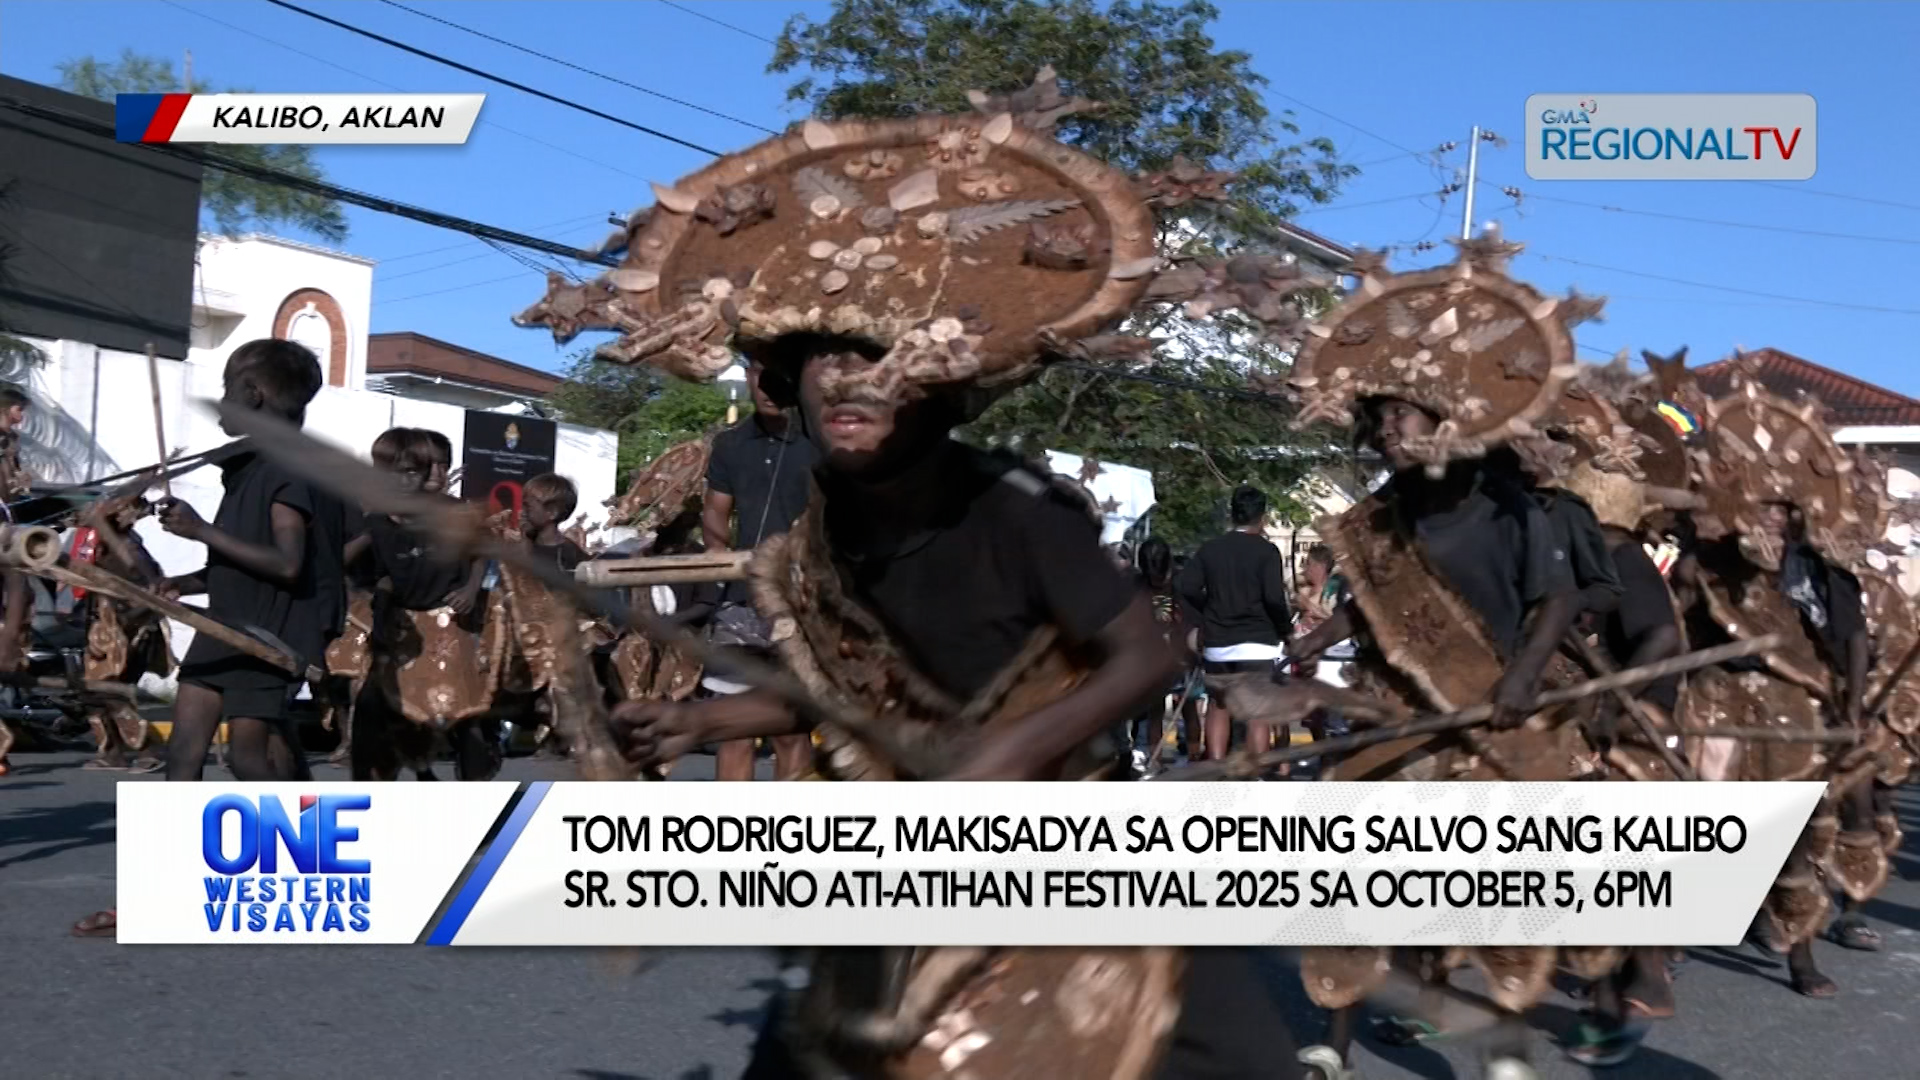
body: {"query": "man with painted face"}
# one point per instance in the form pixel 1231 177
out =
pixel 887 278
pixel 1478 527
pixel 964 556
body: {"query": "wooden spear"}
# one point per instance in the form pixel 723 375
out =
pixel 93 577
pixel 1476 715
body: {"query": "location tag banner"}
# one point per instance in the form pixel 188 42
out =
pixel 1671 137
pixel 297 119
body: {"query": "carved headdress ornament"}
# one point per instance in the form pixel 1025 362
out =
pixel 968 249
pixel 1488 355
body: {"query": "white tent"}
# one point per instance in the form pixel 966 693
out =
pixel 1124 492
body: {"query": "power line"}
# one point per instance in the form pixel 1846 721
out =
pixel 717 22
pixel 1338 120
pixel 1510 191
pixel 381 82
pixel 1837 195
pixel 522 87
pixel 1358 205
pixel 456 247
pixel 268 175
pixel 519 276
pixel 1732 289
pixel 576 67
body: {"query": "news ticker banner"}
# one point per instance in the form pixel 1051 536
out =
pixel 389 119
pixel 952 864
pixel 1671 137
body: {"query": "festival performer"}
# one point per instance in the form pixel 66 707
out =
pixel 428 672
pixel 1894 711
pixel 1455 572
pixel 1628 464
pixel 1779 528
pixel 350 656
pixel 665 504
pixel 273 564
pixel 889 277
pixel 15 595
pixel 124 641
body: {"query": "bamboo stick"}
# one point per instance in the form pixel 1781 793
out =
pixel 159 427
pixel 1602 666
pixel 92 577
pixel 1474 716
pixel 664 570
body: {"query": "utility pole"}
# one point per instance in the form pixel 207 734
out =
pixel 1473 176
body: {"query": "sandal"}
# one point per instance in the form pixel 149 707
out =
pixel 1855 934
pixel 100 924
pixel 1600 1047
pixel 146 765
pixel 102 765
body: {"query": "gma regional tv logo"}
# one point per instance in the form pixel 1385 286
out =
pixel 274 871
pixel 1671 137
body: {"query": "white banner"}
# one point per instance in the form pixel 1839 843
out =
pixel 307 864
pixel 1671 137
pixel 316 119
pixel 955 864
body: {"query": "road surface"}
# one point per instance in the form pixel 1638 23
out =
pixel 82 1008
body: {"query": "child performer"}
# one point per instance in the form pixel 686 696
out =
pixel 273 564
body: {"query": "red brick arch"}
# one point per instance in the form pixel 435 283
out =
pixel 329 310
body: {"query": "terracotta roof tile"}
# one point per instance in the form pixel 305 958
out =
pixel 1851 402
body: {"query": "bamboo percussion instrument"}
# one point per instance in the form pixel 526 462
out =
pixel 663 570
pixel 30 548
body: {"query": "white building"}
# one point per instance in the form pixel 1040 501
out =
pixel 96 409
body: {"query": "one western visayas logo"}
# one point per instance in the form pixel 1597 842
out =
pixel 316 887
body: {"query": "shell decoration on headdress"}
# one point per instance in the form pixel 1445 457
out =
pixel 666 487
pixel 1488 355
pixel 1764 449
pixel 1872 502
pixel 969 248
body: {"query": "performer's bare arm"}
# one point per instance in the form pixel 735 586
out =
pixel 356 549
pixel 655 732
pixel 1138 662
pixel 279 562
pixel 180 585
pixel 1551 619
pixel 462 599
pixel 716 520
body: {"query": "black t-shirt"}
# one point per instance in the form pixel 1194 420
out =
pixel 566 554
pixel 1496 548
pixel 1577 532
pixel 769 478
pixel 1008 555
pixel 305 617
pixel 1645 607
pixel 421 578
pixel 1238 584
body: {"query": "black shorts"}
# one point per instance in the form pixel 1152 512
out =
pixel 247 687
pixel 1241 667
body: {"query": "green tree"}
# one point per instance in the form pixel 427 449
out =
pixel 231 201
pixel 1166 92
pixel 650 411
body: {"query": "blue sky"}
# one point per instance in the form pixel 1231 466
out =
pixel 1377 78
